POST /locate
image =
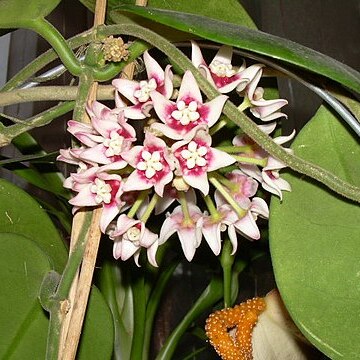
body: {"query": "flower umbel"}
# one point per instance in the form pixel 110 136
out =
pixel 133 170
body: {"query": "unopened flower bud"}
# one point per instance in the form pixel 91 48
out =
pixel 180 184
pixel 115 49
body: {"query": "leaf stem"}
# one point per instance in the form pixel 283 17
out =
pixel 208 298
pixel 59 44
pixel 227 261
pixel 154 301
pixel 10 132
pixel 140 299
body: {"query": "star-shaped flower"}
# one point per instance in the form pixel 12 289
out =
pixel 181 117
pixel 106 138
pixel 220 72
pixel 98 188
pixel 188 229
pixel 153 165
pixel 138 92
pixel 130 236
pixel 195 158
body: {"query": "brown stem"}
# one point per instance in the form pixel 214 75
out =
pixel 82 284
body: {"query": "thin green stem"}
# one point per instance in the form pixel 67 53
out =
pixel 234 149
pixel 140 199
pixel 246 124
pixel 185 208
pixel 225 181
pixel 50 93
pixel 58 43
pixel 10 132
pixel 140 300
pixel 250 160
pixel 208 298
pixel 245 104
pixel 219 125
pixel 211 207
pixel 227 196
pixel 227 261
pixel 150 208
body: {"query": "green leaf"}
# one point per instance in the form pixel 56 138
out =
pixel 45 177
pixel 253 40
pixel 231 10
pixel 97 337
pixel 118 294
pixel 18 13
pixel 38 158
pixel 20 214
pixel 23 323
pixel 314 242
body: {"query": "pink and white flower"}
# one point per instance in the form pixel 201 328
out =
pixel 196 158
pixel 187 228
pixel 170 195
pixel 213 227
pixel 266 110
pixel 189 111
pixel 247 224
pixel 130 236
pixel 241 188
pixel 98 188
pixel 153 165
pixel 220 72
pixel 139 92
pixel 106 138
pixel 269 177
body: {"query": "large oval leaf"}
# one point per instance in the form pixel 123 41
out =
pixel 253 40
pixel 21 214
pixel 231 10
pixel 23 322
pixel 18 13
pixel 314 242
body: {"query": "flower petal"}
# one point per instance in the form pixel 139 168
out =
pixel 189 88
pixel 219 159
pixel 214 109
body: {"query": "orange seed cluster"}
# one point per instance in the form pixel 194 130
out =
pixel 230 330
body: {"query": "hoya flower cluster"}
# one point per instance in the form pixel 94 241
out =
pixel 171 168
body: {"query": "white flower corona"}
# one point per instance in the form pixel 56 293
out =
pixel 186 113
pixel 102 191
pixel 114 144
pixel 194 155
pixel 146 87
pixel 151 163
pixel 133 234
pixel 221 69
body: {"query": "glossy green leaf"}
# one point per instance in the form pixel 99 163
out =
pixel 47 177
pixel 18 13
pixel 118 294
pixel 37 158
pixel 253 40
pixel 97 337
pixel 314 242
pixel 20 214
pixel 231 10
pixel 23 322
